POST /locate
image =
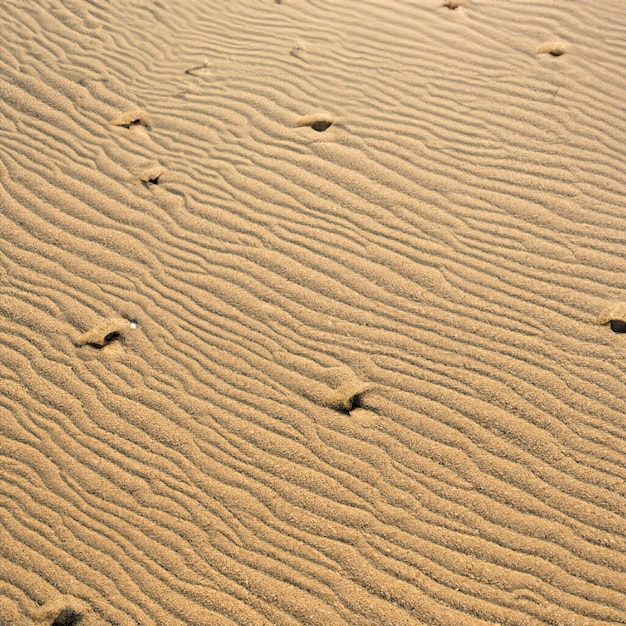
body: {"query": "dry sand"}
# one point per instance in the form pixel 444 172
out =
pixel 298 312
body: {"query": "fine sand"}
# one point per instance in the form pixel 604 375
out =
pixel 309 312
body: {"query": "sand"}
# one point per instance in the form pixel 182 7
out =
pixel 310 312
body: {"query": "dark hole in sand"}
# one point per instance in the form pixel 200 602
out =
pixel 618 326
pixel 67 617
pixel 321 125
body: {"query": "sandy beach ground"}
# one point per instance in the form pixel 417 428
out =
pixel 310 312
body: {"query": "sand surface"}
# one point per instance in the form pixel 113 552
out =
pixel 298 312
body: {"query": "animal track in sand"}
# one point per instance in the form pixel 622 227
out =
pixel 552 48
pixel 452 4
pixel 65 611
pixel 347 397
pixel 67 617
pixel 106 332
pixel 132 118
pixel 317 121
pixel 151 174
pixel 615 315
pixel 197 68
pixel 298 52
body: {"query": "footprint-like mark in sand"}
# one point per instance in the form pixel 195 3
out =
pixel 151 174
pixel 453 4
pixel 107 332
pixel 197 69
pixel 132 118
pixel 67 617
pixel 347 397
pixel 552 48
pixel 66 611
pixel 317 121
pixel 337 388
pixel 615 315
pixel 298 52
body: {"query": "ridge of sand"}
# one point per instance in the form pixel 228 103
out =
pixel 298 308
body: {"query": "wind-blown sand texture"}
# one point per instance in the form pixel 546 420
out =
pixel 305 312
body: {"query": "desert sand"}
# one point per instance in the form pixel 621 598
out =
pixel 311 312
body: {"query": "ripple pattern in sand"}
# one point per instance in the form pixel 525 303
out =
pixel 298 309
